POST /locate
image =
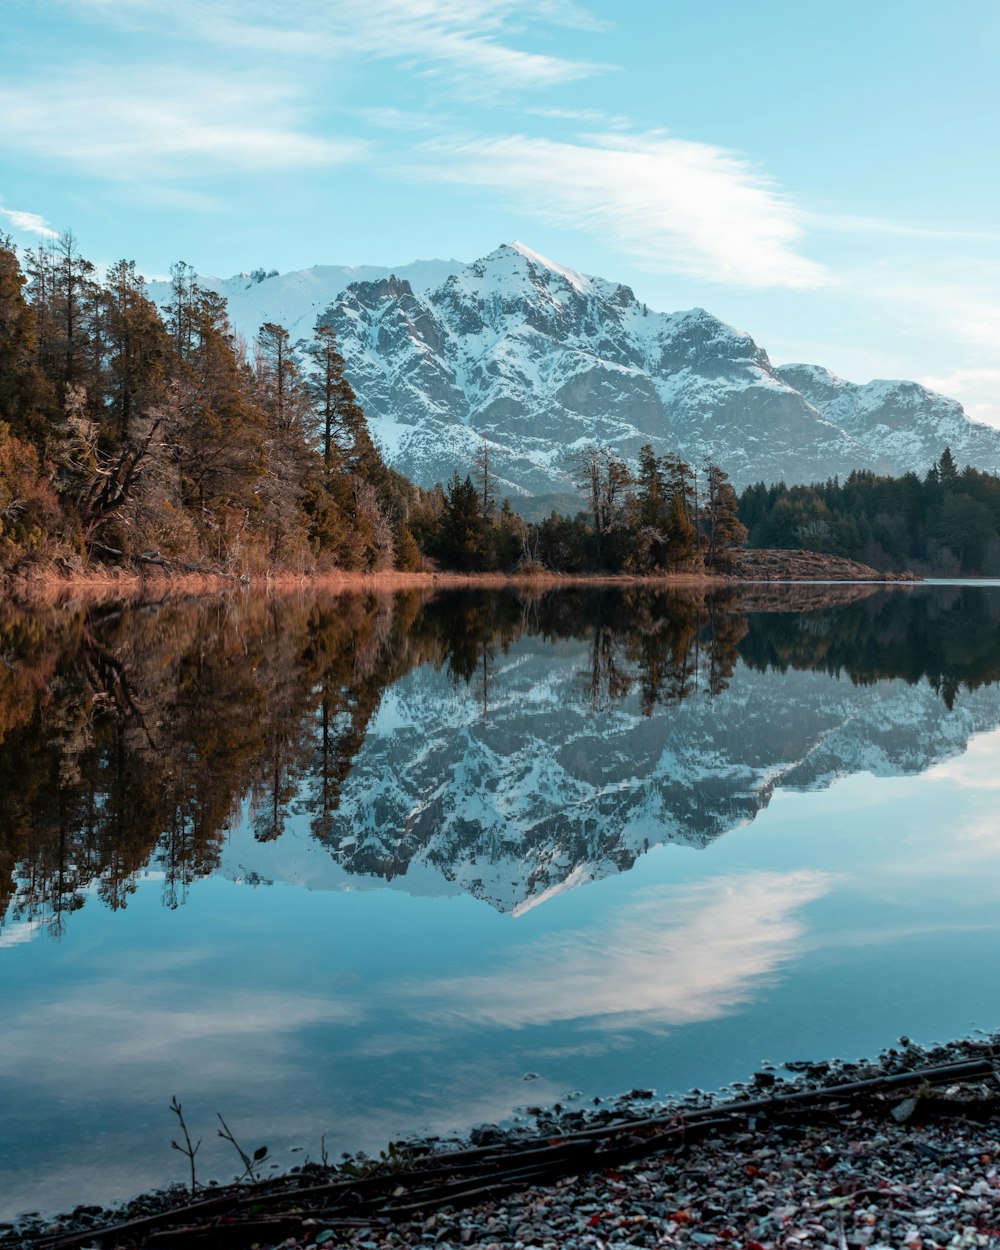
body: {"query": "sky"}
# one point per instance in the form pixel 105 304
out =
pixel 822 176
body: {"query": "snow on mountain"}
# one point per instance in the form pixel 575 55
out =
pixel 521 791
pixel 903 422
pixel 294 300
pixel 542 360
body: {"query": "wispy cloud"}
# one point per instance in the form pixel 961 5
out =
pixel 977 389
pixel 674 205
pixel 858 223
pixel 953 308
pixel 673 957
pixel 590 117
pixel 472 44
pixel 135 1033
pixel 151 124
pixel 29 223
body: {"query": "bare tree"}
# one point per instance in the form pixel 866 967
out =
pixel 484 480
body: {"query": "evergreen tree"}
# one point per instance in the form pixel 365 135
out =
pixel 463 533
pixel 137 348
pixel 723 527
pixel 27 401
pixel 680 534
pixel 653 491
pixel 947 469
pixel 344 433
pixel 282 395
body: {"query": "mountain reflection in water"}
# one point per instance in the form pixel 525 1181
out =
pixel 578 728
pixel 410 772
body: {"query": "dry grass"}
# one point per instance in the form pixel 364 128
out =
pixel 50 587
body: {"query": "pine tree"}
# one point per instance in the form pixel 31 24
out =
pixel 463 533
pixel 343 429
pixel 947 469
pixel 27 401
pixel 652 495
pixel 484 480
pixel 75 290
pixel 681 538
pixel 282 394
pixel 137 348
pixel 180 319
pixel 723 527
pixel 408 557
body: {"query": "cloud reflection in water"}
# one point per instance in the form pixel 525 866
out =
pixel 675 955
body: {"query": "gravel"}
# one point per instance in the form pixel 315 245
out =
pixel 922 1173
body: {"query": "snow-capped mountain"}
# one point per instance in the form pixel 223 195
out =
pixel 542 360
pixel 903 422
pixel 295 300
pixel 518 789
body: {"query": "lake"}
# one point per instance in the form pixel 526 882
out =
pixel 349 868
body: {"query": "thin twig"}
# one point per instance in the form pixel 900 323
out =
pixel 187 1148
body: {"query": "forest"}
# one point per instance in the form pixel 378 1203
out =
pixel 130 437
pixel 133 438
pixel 944 524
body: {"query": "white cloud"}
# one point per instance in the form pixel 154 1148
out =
pixel 587 117
pixel 29 223
pixel 470 42
pixel 148 124
pixel 675 956
pixel 137 1033
pixel 977 389
pixel 467 39
pixel 952 311
pixel 675 205
pixel 858 223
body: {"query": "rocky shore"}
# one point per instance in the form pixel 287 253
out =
pixel 778 564
pixel 900 1152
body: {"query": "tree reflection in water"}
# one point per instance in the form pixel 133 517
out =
pixel 134 738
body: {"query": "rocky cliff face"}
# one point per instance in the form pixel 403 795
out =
pixel 902 423
pixel 542 360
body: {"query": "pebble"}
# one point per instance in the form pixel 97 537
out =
pixel 862 1183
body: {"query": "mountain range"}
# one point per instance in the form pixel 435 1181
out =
pixel 542 360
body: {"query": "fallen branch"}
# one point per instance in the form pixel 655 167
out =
pixel 467 1177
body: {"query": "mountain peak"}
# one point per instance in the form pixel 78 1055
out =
pixel 508 251
pixel 542 359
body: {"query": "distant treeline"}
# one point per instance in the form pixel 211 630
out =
pixel 661 518
pixel 946 523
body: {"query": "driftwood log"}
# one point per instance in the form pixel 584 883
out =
pixel 276 1209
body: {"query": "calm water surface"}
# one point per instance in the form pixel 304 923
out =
pixel 369 866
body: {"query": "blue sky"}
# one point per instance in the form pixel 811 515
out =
pixel 823 176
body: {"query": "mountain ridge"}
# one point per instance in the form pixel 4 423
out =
pixel 541 360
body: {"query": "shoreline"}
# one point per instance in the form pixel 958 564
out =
pixel 50 587
pixel 899 1151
